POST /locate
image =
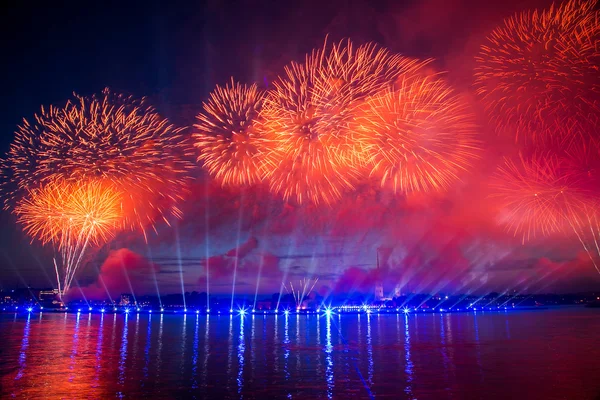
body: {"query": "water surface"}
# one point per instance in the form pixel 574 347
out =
pixel 546 354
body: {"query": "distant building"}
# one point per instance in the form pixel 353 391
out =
pixel 126 300
pixel 50 298
pixel 264 305
pixel 48 295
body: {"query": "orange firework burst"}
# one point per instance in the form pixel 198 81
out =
pixel 539 197
pixel 306 118
pixel 72 216
pixel 541 67
pixel 226 134
pixel 417 137
pixel 110 137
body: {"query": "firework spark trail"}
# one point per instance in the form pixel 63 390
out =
pixel 540 197
pixel 419 136
pixel 306 286
pixel 582 162
pixel 305 119
pixel 226 136
pixel 72 217
pixel 539 69
pixel 110 137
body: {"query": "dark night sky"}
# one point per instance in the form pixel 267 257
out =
pixel 175 52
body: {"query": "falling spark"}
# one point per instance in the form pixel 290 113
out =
pixel 73 217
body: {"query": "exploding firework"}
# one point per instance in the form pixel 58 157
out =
pixel 306 118
pixel 419 136
pixel 582 160
pixel 538 197
pixel 110 137
pixel 73 217
pixel 304 288
pixel 549 194
pixel 540 68
pixel 226 134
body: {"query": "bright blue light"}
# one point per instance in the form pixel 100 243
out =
pixel 102 310
pixel 127 311
pixel 242 311
pixel 231 310
pixel 328 311
pixel 185 310
pixel 41 308
pixel 253 311
pixel 406 310
pixel 287 312
pixel 208 310
pixel 368 311
pixel 149 311
pixel 30 309
pixel 138 309
pixel 78 310
pixel 162 309
pixel 89 308
pixel 197 311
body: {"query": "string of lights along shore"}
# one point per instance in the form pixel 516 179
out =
pixel 343 117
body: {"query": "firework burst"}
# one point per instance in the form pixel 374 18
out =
pixel 302 291
pixel 538 197
pixel 110 137
pixel 226 135
pixel 540 68
pixel 73 217
pixel 418 136
pixel 306 118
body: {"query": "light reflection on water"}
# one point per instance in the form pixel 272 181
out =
pixel 99 350
pixel 370 351
pixel 394 356
pixel 147 349
pixel 241 348
pixel 408 365
pixel 329 360
pixel 123 355
pixel 24 346
pixel 195 350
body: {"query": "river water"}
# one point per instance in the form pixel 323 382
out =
pixel 545 354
